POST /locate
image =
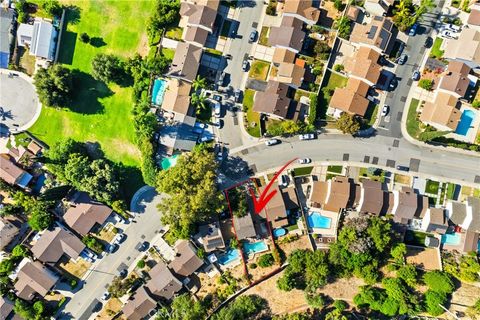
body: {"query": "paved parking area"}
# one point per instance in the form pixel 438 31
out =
pixel 264 53
pixel 19 101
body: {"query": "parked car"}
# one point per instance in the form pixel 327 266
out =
pixel 142 246
pixel 112 247
pixel 253 36
pixel 452 27
pixel 413 30
pixel 402 59
pixel 245 65
pixel 448 34
pixel 365 133
pixel 217 109
pixel 304 160
pixel 228 56
pixel 272 142
pixel 284 180
pixel 385 110
pixel 119 238
pixel 123 273
pixel 428 42
pixel 403 168
pixel 393 84
pixel 221 79
pixel 307 136
pixel 118 218
pixel 218 123
pixel 416 75
pixel 206 139
pixel 237 94
pixel 220 155
pixel 105 296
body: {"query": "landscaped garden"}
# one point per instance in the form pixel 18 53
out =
pixel 432 187
pixel 259 70
pixel 413 124
pixel 436 52
pixel 252 121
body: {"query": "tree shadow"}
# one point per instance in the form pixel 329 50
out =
pixel 131 180
pixel 97 42
pixel 72 14
pixel 67 47
pixel 94 150
pixel 87 93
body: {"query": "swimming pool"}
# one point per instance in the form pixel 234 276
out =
pixel 465 122
pixel 451 238
pixel 279 232
pixel 255 247
pixel 316 220
pixel 169 162
pixel 159 87
pixel 230 256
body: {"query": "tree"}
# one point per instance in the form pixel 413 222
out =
pixel 244 307
pixel 6 267
pixel 439 281
pixel 426 84
pixel 338 4
pixel 408 273
pixel 266 260
pixel 398 253
pixel 54 85
pixel 183 307
pixel 199 83
pixel 107 68
pixel 192 189
pixel 287 282
pixel 60 151
pixel 119 288
pixel 343 25
pixel 39 217
pixel 340 305
pixel 348 123
pixel 120 207
pixel 52 7
pixel 93 243
pixel 317 301
pixel 316 269
pixel 20 251
pixel 85 38
pixel 200 102
pixel 165 13
pixel 24 309
pixel 402 15
pixel 433 300
pixel 141 264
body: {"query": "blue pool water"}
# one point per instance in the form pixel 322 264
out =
pixel 279 232
pixel 465 122
pixel 316 220
pixel 169 162
pixel 250 248
pixel 230 256
pixel 451 238
pixel 159 87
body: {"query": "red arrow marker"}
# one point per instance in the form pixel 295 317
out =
pixel 265 197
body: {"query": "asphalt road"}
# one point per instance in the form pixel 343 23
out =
pixel 147 226
pixel 377 151
pixel 396 99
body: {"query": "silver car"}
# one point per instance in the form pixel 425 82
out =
pixel 272 142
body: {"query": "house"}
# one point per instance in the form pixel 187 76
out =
pixel 211 237
pixel 186 260
pixel 33 278
pixel 364 65
pixel 407 205
pixel 6 309
pixel 7 20
pixel 186 61
pixel 290 199
pixel 465 215
pixel 275 211
pixel 200 16
pixel 162 282
pixel 443 113
pixel 83 216
pixel 244 227
pixel 140 306
pixel 351 99
pixel 332 195
pixel 378 34
pixel 435 221
pixel 34 148
pixel 291 73
pixel 474 16
pixel 378 7
pixel 8 232
pixel 179 134
pixel 456 80
pixel 289 35
pixel 20 154
pixel 275 101
pixel 177 97
pixel 353 12
pixel 12 174
pixel 282 55
pixel 41 39
pixel 465 49
pixel 196 35
pixel 373 199
pixel 53 244
pixel 302 10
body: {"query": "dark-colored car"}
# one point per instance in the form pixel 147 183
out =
pixel 402 59
pixel 393 84
pixel 142 246
pixel 253 36
pixel 428 42
pixel 403 168
pixel 413 30
pixel 365 133
pixel 245 65
pixel 123 273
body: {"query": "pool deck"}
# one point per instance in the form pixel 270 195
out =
pixel 474 127
pixel 332 231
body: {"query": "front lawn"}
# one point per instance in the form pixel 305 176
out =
pixel 99 113
pixel 413 124
pixel 259 70
pixel 432 187
pixel 335 169
pixel 371 114
pixel 252 121
pixel 436 52
pixel 303 171
pixel 451 190
pixel 263 38
pixel 168 53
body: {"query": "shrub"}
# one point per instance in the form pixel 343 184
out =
pixel 266 260
pixel 426 84
pixel 476 104
pixel 73 283
pixel 439 281
pixel 312 113
pixel 253 265
pixel 339 67
pixel 338 4
pixel 433 300
pixel 340 305
pixel 141 264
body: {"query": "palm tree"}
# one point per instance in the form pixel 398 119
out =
pixel 199 83
pixel 200 102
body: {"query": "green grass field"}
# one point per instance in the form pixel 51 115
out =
pixel 413 124
pixel 432 187
pixel 99 113
pixel 259 70
pixel 436 52
pixel 252 116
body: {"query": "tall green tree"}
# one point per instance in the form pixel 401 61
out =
pixel 348 123
pixel 200 102
pixel 107 68
pixel 183 307
pixel 54 86
pixel 199 83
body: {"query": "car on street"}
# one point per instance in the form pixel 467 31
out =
pixel 413 30
pixel 385 110
pixel 123 273
pixel 393 84
pixel 284 180
pixel 217 109
pixel 403 168
pixel 245 65
pixel 206 138
pixel 448 34
pixel 307 136
pixel 253 36
pixel 452 27
pixel 272 142
pixel 228 56
pixel 304 160
pixel 218 123
pixel 428 42
pixel 365 133
pixel 105 296
pixel 142 246
pixel 402 59
pixel 119 238
pixel 416 75
pixel 237 94
pixel 111 247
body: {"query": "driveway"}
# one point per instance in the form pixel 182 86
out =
pixel 146 227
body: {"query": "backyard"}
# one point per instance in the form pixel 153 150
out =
pixel 99 113
pixel 252 122
pixel 332 81
pixel 259 70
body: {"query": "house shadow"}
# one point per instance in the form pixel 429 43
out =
pixel 97 42
pixel 87 93
pixel 69 38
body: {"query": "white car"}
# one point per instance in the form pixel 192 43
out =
pixel 304 160
pixel 217 109
pixel 385 110
pixel 307 136
pixel 119 238
pixel 272 142
pixel 448 34
pixel 452 27
pixel 105 296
